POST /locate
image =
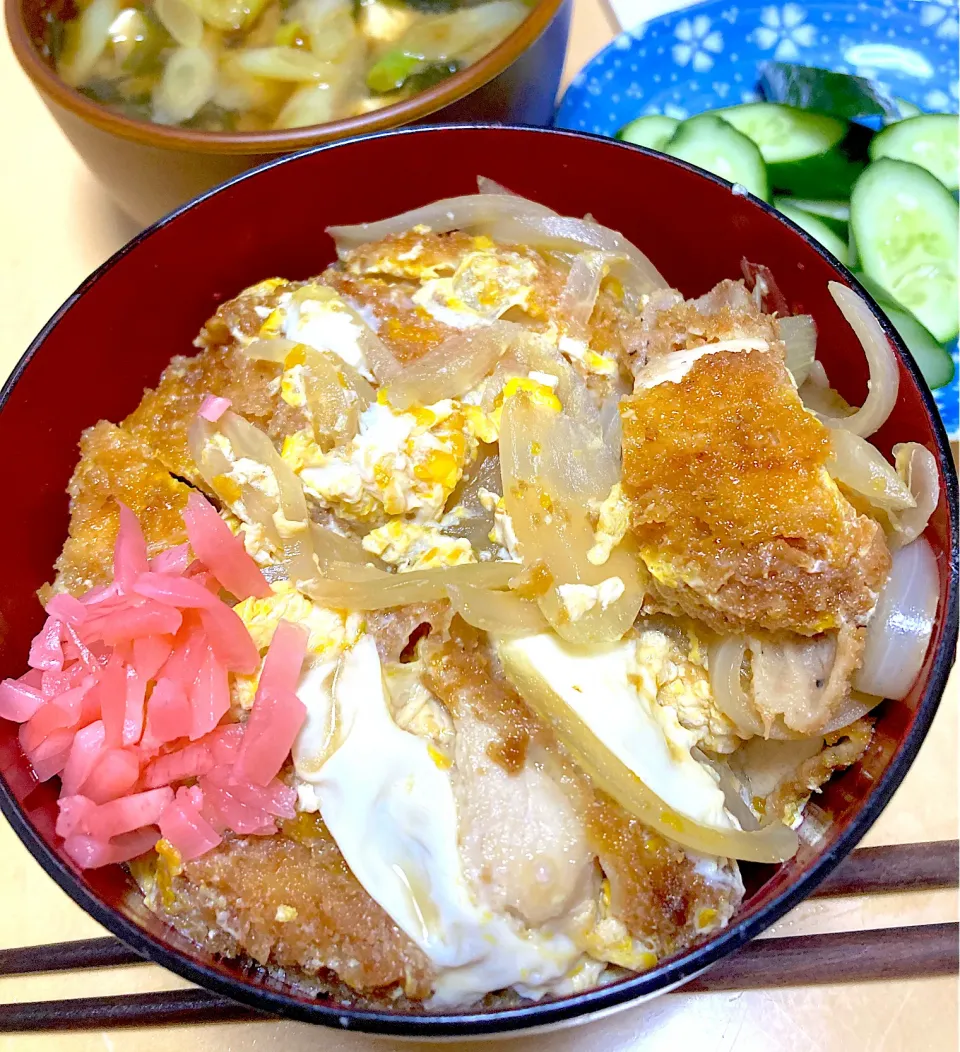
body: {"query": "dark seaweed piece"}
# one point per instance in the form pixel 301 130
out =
pixel 438 7
pixel 212 117
pixel 105 92
pixel 432 74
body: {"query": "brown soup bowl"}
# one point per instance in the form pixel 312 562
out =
pixel 151 169
pixel 118 331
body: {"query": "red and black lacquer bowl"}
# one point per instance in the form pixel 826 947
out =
pixel 117 332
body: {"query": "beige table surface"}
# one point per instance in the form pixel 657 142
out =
pixel 56 225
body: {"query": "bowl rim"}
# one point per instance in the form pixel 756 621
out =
pixel 421 104
pixel 605 999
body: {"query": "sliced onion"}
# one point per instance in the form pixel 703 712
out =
pixel 476 522
pixel 333 549
pixel 552 467
pixel 457 365
pixel 181 21
pixel 899 631
pixel 917 467
pixel 580 292
pixel 822 400
pixel 884 382
pixel 611 425
pixel 452 213
pixel 857 704
pixel 731 789
pixel 336 396
pixel 274 349
pixel 556 233
pixel 860 468
pixel 491 186
pixel 498 612
pixel 87 39
pixel 799 335
pixel 381 591
pixel 189 81
pixel 248 440
pixel 818 375
pixel 510 218
pixel 284 64
pixel 725 662
pixel 286 521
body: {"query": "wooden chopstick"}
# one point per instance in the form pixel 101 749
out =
pixel 107 952
pixel 922 950
pixel 898 867
pixel 867 871
pixel 857 956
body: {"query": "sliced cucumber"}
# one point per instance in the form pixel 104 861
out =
pixel 829 174
pixel 802 150
pixel 838 211
pixel 929 141
pixel 933 360
pixel 904 221
pixel 654 131
pixel 839 94
pixel 907 109
pixel 783 133
pixel 817 229
pixel 835 214
pixel 713 144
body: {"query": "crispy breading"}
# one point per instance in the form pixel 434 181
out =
pixel 412 254
pixel 290 900
pixel 656 891
pixel 406 328
pixel 162 419
pixel 842 749
pixel 238 320
pixel 115 466
pixel 734 513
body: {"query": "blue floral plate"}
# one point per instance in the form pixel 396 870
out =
pixel 707 56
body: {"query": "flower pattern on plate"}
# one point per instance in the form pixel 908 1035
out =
pixel 696 43
pixel 786 30
pixel 707 56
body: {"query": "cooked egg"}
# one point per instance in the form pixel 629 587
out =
pixel 410 546
pixel 612 525
pixel 678 678
pixel 591 361
pixel 417 710
pixel 325 323
pixel 503 533
pixel 254 537
pixel 399 463
pixel 614 695
pixel 606 938
pixel 485 285
pixel 390 807
pixel 579 599
pixel 329 631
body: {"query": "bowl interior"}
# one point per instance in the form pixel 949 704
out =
pixel 116 334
